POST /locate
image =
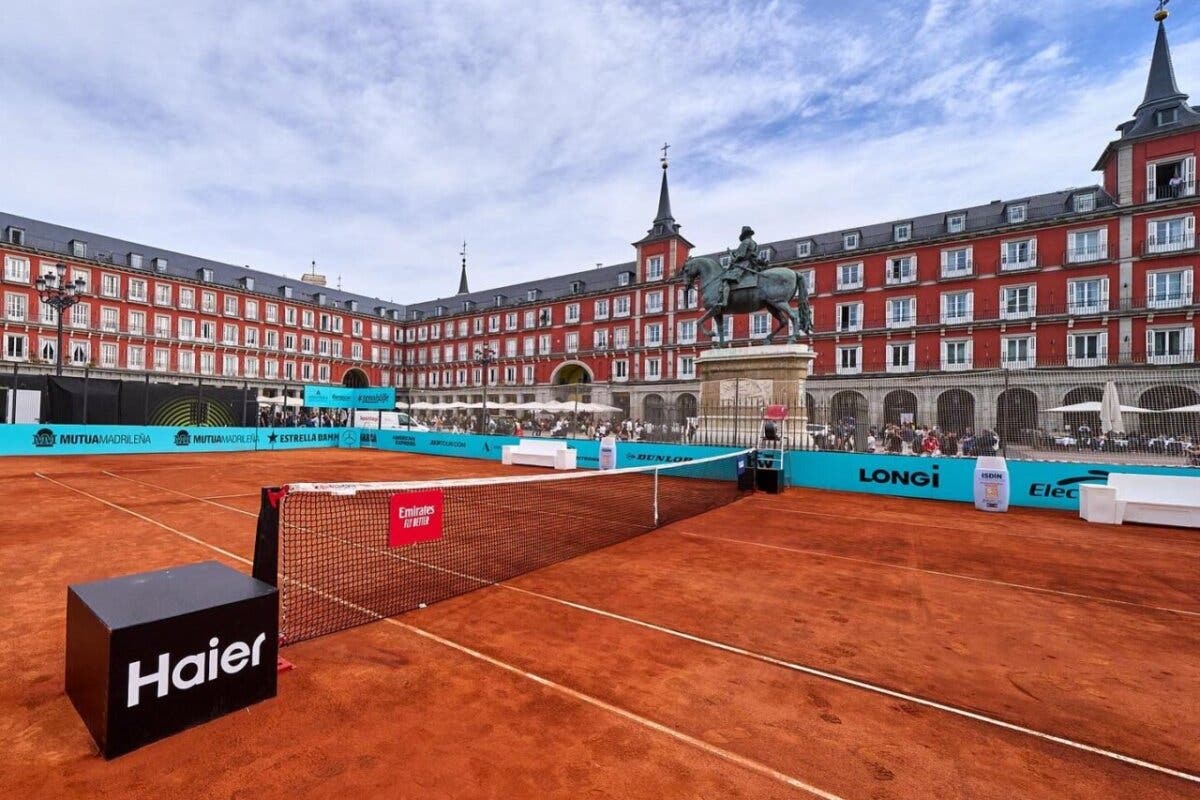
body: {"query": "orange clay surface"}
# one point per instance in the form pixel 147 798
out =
pixel 756 651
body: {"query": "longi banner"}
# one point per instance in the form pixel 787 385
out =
pixel 415 517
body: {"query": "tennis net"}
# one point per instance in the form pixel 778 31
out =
pixel 344 554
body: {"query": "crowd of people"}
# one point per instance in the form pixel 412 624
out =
pixel 302 418
pixel 566 426
pixel 905 439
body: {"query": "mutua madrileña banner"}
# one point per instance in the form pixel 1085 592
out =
pixel 378 398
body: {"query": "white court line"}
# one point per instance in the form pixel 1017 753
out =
pixel 727 755
pixel 790 665
pixel 945 528
pixel 210 497
pixel 992 581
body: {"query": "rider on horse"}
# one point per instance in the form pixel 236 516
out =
pixel 742 260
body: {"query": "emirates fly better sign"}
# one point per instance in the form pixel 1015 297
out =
pixel 415 517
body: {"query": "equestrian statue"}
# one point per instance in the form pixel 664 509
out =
pixel 745 286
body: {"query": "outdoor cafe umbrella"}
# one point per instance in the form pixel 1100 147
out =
pixel 1110 410
pixel 1094 407
pixel 1184 410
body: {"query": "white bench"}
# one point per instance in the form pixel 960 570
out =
pixel 1149 499
pixel 539 453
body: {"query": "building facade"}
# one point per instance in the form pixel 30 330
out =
pixel 1081 286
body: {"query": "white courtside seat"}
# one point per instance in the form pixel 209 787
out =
pixel 1149 499
pixel 539 453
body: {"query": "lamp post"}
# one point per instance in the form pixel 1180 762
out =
pixel 60 294
pixel 485 357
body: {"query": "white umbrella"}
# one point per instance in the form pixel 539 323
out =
pixel 1094 407
pixel 269 401
pixel 529 407
pixel 555 405
pixel 1110 410
pixel 1184 410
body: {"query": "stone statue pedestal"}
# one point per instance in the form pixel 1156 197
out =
pixel 736 386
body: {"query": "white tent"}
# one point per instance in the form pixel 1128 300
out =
pixel 1094 406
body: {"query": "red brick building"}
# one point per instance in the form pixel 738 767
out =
pixel 1071 283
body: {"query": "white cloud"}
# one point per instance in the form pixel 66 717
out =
pixel 374 137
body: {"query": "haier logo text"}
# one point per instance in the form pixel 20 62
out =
pixel 195 669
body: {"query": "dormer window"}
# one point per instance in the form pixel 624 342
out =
pixel 532 294
pixel 956 223
pixel 248 284
pixel 439 311
pixel 576 287
pixel 15 235
pixel 206 275
pixel 134 260
pixel 320 298
pixel 1167 116
pixel 498 300
pixel 726 260
pixel 468 305
pixel 803 249
pixel 1017 213
pixel 397 315
pixel 622 279
pixel 1084 202
pixel 902 232
pixel 353 305
pixel 764 254
pixel 78 248
pixel 850 241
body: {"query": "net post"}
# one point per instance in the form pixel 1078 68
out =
pixel 266 536
pixel 656 471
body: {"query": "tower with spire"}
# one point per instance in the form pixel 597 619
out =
pixel 1137 165
pixel 462 276
pixel 663 249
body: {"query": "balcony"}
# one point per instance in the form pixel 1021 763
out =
pixel 1086 254
pixel 1010 263
pixel 1169 300
pixel 1171 190
pixel 1158 245
pixel 956 366
pixel 957 271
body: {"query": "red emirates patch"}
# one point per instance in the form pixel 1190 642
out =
pixel 415 517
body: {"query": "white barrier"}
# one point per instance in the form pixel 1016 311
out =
pixel 1149 499
pixel 539 453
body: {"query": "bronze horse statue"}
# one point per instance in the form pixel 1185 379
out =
pixel 774 291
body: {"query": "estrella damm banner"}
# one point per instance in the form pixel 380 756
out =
pixel 378 398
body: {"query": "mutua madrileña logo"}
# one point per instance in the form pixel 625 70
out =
pixel 195 669
pixel 182 438
pixel 1067 487
pixel 43 438
pixel 901 477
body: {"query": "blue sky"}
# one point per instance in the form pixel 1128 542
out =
pixel 375 136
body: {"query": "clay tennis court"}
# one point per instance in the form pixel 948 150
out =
pixel 810 645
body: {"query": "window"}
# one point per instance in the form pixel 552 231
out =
pixel 83 278
pixel 493 323
pixel 251 337
pixel 137 290
pixel 653 369
pixel 1170 178
pixel 688 298
pixel 229 334
pixel 957 307
pixel 206 275
pixel 1170 345
pixel 1018 302
pixel 620 370
pixel 1169 288
pixel 229 364
pixel 16 307
pixel 208 332
pixel 653 335
pixel 81 315
pixel 570 343
pixel 251 309
pixel 307 317
pixel 573 312
pixel 271 314
pixel 1087 295
pixel 162 294
pixel 901 312
pixel 16 235
pixel 251 367
pixel 849 317
pixel 187 329
pixel 621 338
pixel 1169 235
pixel 654 268
pixel 16 269
pixel 623 279
pixel 1017 213
pixel 956 262
pixel 1087 348
pixel 654 302
pixel 187 298
pixel 1017 352
pixel 901 269
pixel 803 249
pixel 900 357
pixel 600 310
pixel 956 223
pixel 544 344
pixel 1083 246
pixel 687 332
pixel 850 276
pixel 162 326
pixel 809 277
pixel 849 241
pixel 271 340
pixel 81 353
pixel 849 360
pixel 621 306
pixel 510 321
pixel 956 355
pixel 902 232
pixel 760 325
pixel 208 304
pixel 764 255
pixel 110 319
pixel 1082 203
pixel 687 366
pixel 108 355
pixel 49 350
pixel 110 285
pixel 16 347
pixel 135 357
pixel 78 248
pixel 1018 254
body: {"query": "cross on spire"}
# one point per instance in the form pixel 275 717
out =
pixel 664 149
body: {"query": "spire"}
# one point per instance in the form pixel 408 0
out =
pixel 1161 85
pixel 664 217
pixel 462 278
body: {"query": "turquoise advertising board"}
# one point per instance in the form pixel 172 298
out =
pixel 70 440
pixel 377 398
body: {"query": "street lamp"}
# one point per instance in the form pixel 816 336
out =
pixel 60 294
pixel 485 357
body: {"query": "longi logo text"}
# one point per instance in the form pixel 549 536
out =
pixel 901 477
pixel 195 669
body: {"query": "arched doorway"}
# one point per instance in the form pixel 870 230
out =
pixel 810 407
pixel 899 406
pixel 653 409
pixel 685 408
pixel 1162 398
pixel 1016 411
pixel 576 377
pixel 1074 419
pixel 355 378
pixel 847 406
pixel 955 410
